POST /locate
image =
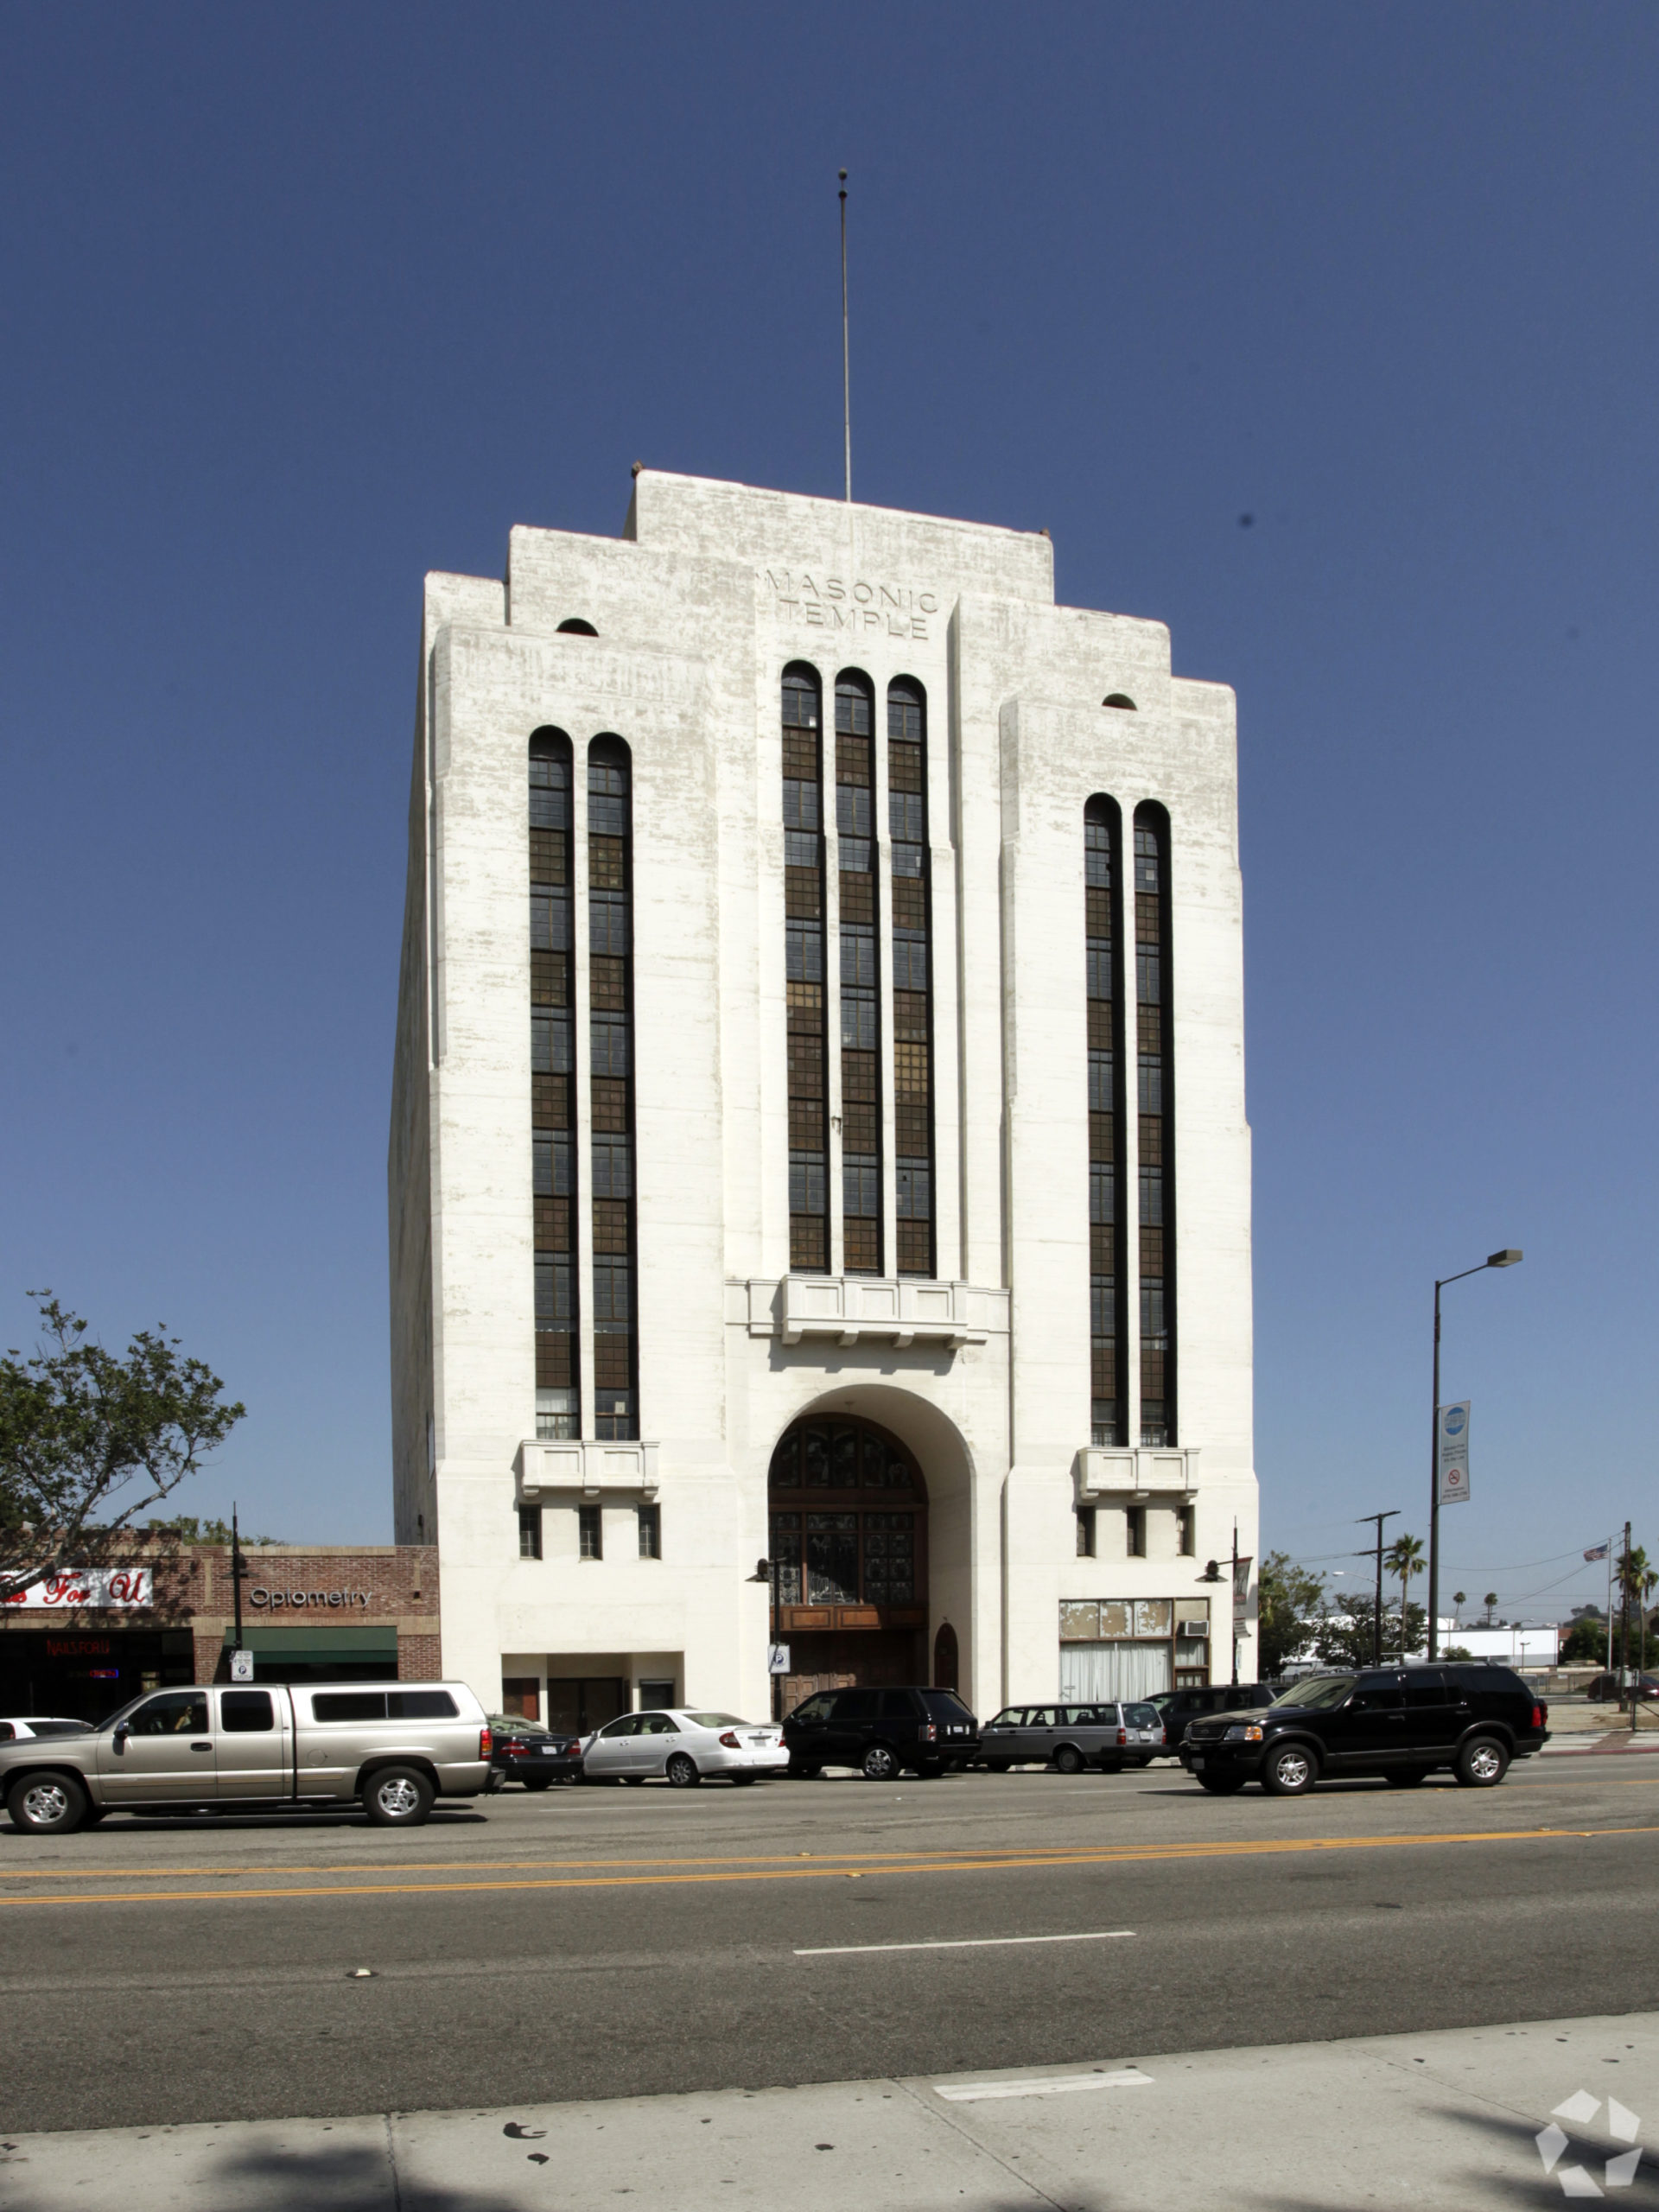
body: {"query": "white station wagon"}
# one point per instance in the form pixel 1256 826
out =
pixel 682 1746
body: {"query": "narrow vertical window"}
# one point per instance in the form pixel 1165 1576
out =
pixel 650 1532
pixel 590 1532
pixel 552 1085
pixel 530 1532
pixel 610 1050
pixel 861 1058
pixel 1156 1103
pixel 1106 1253
pixel 808 1139
pixel 912 973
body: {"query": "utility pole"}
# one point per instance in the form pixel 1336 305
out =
pixel 1625 1629
pixel 1393 1514
pixel 1236 1610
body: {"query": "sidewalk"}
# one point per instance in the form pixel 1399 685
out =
pixel 1445 2122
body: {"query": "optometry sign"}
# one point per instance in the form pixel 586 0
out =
pixel 1451 1453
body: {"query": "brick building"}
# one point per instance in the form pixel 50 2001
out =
pixel 83 1645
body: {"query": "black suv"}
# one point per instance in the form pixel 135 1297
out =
pixel 1400 1722
pixel 881 1731
pixel 1176 1709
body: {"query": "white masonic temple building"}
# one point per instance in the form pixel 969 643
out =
pixel 819 1176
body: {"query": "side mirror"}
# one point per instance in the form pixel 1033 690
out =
pixel 121 1735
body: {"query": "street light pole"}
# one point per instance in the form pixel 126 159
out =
pixel 1504 1259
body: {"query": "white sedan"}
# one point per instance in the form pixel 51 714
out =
pixel 40 1723
pixel 682 1746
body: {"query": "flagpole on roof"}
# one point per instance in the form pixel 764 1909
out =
pixel 846 356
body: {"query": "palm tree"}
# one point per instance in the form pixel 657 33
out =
pixel 1489 1601
pixel 1405 1559
pixel 1459 1599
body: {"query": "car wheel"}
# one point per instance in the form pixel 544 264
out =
pixel 998 1766
pixel 1290 1771
pixel 879 1764
pixel 538 1781
pixel 682 1771
pixel 398 1797
pixel 1068 1760
pixel 47 1804
pixel 1408 1778
pixel 1220 1785
pixel 1482 1762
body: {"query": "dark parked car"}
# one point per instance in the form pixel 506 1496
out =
pixel 1071 1736
pixel 1399 1722
pixel 1177 1708
pixel 1603 1689
pixel 881 1731
pixel 523 1751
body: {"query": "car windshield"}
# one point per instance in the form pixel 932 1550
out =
pixel 945 1705
pixel 1319 1694
pixel 1160 1698
pixel 717 1721
pixel 1140 1716
pixel 508 1724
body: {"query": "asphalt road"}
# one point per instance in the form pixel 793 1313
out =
pixel 599 1942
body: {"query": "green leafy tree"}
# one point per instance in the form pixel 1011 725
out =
pixel 1290 1602
pixel 1585 1644
pixel 185 1528
pixel 1348 1638
pixel 89 1442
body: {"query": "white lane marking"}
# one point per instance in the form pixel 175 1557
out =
pixel 965 1943
pixel 1056 2085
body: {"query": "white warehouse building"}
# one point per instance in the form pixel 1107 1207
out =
pixel 819 1176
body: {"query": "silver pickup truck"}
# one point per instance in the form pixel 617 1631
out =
pixel 392 1747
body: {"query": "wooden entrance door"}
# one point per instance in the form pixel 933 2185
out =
pixel 848 1530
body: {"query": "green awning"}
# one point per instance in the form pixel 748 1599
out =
pixel 341 1642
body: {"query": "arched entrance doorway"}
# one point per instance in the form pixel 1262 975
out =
pixel 849 1521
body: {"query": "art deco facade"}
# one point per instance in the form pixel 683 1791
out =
pixel 818 1122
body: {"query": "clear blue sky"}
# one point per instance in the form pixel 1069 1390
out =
pixel 304 301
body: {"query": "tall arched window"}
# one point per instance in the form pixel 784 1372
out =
pixel 861 1055
pixel 552 1062
pixel 610 1026
pixel 912 1018
pixel 1156 1124
pixel 1101 831
pixel 809 1219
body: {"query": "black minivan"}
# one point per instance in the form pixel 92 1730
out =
pixel 1400 1722
pixel 881 1731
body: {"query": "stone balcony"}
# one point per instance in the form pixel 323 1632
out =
pixel 1120 1471
pixel 584 1463
pixel 900 1311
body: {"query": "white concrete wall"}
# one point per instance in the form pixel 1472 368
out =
pixel 713 590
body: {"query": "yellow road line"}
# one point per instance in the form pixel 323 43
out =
pixel 828 1871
